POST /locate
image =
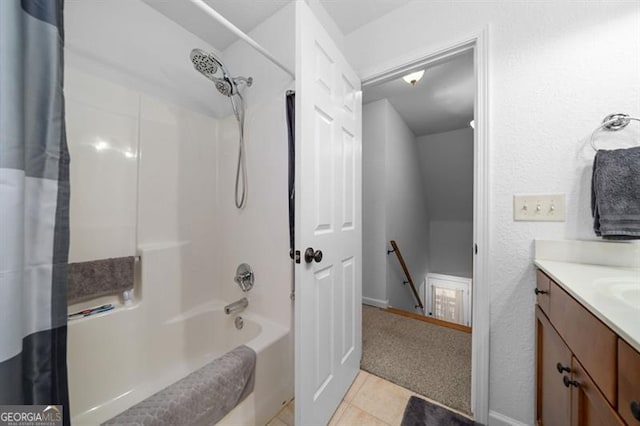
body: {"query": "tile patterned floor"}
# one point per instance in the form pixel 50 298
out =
pixel 370 401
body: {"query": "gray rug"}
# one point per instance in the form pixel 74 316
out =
pixel 428 359
pixel 419 412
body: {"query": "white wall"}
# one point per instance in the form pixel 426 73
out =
pixel 131 65
pixel 129 43
pixel 187 162
pixel 176 196
pixel 556 69
pixel 447 167
pixel 406 208
pixel 374 175
pixel 395 207
pixel 259 234
pixel 450 247
pixel 103 121
pixel 143 169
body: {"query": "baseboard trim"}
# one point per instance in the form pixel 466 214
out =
pixel 498 419
pixel 375 302
pixel 430 320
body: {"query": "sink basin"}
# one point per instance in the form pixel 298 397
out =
pixel 625 290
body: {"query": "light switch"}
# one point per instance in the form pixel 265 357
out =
pixel 544 207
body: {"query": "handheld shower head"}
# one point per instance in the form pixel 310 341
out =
pixel 224 86
pixel 205 63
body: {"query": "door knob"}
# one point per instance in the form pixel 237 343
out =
pixel 568 382
pixel 310 255
pixel 561 368
pixel 537 291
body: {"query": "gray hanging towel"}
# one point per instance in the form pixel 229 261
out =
pixel 88 280
pixel 615 194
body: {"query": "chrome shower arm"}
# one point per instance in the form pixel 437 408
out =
pixel 247 81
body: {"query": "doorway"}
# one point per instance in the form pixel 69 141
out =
pixel 418 190
pixel 443 245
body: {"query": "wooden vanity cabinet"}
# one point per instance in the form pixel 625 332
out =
pixel 553 397
pixel 588 406
pixel 542 291
pixel 592 342
pixel 628 383
pixel 585 374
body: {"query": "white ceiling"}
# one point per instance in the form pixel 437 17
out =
pixel 244 14
pixel 441 101
pixel 349 15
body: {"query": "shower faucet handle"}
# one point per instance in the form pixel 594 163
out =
pixel 244 277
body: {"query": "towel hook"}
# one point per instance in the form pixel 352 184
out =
pixel 612 122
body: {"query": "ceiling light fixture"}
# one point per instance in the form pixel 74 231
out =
pixel 414 77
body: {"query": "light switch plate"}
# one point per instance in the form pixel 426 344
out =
pixel 542 207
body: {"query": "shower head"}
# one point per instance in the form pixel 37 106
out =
pixel 205 63
pixel 224 86
pixel 208 64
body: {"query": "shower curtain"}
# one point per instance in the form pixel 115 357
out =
pixel 34 206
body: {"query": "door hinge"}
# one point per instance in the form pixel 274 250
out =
pixel 475 249
pixel 297 256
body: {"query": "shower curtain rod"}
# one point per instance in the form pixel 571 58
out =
pixel 237 31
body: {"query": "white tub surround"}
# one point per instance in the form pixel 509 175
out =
pixel 610 290
pixel 141 113
pixel 122 357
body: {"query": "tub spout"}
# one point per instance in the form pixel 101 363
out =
pixel 236 306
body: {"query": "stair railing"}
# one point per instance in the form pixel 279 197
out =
pixel 396 250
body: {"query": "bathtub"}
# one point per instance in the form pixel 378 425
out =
pixel 118 358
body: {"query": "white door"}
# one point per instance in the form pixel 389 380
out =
pixel 328 309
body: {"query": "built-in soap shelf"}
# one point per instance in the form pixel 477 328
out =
pixel 115 302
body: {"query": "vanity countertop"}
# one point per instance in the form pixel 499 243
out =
pixel 611 293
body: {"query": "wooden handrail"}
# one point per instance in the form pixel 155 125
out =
pixel 396 250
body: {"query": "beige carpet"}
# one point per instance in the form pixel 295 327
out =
pixel 428 359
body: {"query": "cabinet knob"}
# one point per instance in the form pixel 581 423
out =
pixel 568 382
pixel 562 368
pixel 538 291
pixel 635 409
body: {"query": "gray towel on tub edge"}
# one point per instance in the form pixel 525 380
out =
pixel 615 194
pixel 203 397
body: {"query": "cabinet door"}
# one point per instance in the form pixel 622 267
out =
pixel 588 406
pixel 590 340
pixel 628 383
pixel 553 403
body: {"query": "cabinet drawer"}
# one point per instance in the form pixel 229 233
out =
pixel 592 342
pixel 542 293
pixel 588 405
pixel 628 382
